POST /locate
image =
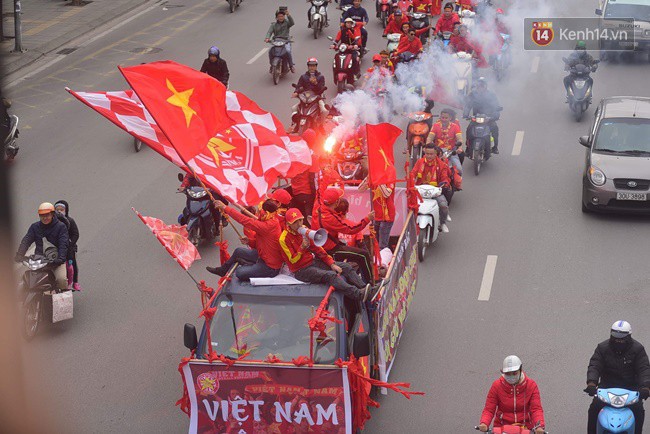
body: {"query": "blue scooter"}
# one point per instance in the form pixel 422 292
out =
pixel 616 417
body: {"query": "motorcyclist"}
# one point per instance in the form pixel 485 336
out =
pixel 395 22
pixel 447 135
pixel 447 20
pixel 52 229
pixel 359 15
pixel 619 361
pixel 215 66
pixel 410 44
pixel 385 61
pixel 421 6
pixel 190 181
pixel 483 101
pixel 313 81
pixel 578 56
pixel 62 207
pixel 432 170
pixel 349 35
pixel 377 66
pixel 5 121
pixel 281 29
pixel 327 21
pixel 513 399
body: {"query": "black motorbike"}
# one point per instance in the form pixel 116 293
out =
pixel 279 61
pixel 36 281
pixel 580 88
pixel 198 215
pixel 480 147
pixel 308 113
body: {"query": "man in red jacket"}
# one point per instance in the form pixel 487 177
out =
pixel 513 399
pixel 395 23
pixel 266 259
pixel 432 170
pixel 411 44
pixel 312 264
pixel 328 218
pixel 447 20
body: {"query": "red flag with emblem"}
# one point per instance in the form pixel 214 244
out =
pixel 381 161
pixel 174 239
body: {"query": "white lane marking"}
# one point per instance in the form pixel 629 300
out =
pixel 488 277
pixel 519 140
pixel 258 55
pixel 535 66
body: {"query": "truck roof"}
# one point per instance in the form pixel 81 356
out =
pixel 237 287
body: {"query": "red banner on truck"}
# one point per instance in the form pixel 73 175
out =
pixel 266 398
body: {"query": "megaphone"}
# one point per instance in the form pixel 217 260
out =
pixel 319 237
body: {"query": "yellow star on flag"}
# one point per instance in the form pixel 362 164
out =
pixel 377 194
pixel 228 131
pixel 386 162
pixel 216 145
pixel 182 100
pixel 208 383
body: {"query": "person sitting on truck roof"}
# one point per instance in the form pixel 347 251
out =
pixel 312 264
pixel 266 259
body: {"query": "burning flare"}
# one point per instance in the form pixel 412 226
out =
pixel 329 144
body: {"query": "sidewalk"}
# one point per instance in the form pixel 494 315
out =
pixel 50 24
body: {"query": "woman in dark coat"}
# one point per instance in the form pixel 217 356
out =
pixel 61 206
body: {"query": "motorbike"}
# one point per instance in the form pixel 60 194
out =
pixel 317 16
pixel 36 281
pixel 501 61
pixel 393 42
pixel 10 147
pixel 416 134
pixel 343 66
pixel 349 164
pixel 197 215
pixel 580 87
pixel 443 38
pixel 512 429
pixel 428 219
pixel 279 64
pixel 616 417
pixel 481 146
pixel 384 7
pixel 468 18
pixel 403 5
pixel 418 21
pixel 308 113
pixel 463 64
pixel 233 4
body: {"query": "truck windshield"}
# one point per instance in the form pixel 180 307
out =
pixel 623 135
pixel 271 325
pixel 640 12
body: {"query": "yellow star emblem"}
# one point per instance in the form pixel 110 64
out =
pixel 228 131
pixel 377 194
pixel 208 383
pixel 182 100
pixel 386 162
pixel 216 145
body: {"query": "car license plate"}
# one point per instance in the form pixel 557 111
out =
pixel 631 196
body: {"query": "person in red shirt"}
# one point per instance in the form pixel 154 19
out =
pixel 395 22
pixel 311 264
pixel 383 205
pixel 432 170
pixel 421 6
pixel 385 61
pixel 446 134
pixel 282 199
pixel 327 218
pixel 384 71
pixel 462 42
pixel 410 44
pixel 513 399
pixel 303 187
pixel 266 259
pixel 465 4
pixel 350 239
pixel 447 20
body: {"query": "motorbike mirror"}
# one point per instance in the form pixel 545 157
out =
pixel 361 345
pixel 330 38
pixel 584 141
pixel 189 337
pixel 599 11
pixel 181 177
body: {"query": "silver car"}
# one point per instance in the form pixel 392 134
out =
pixel 617 161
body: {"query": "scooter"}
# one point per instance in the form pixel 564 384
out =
pixel 416 134
pixel 463 63
pixel 481 147
pixel 10 147
pixel 197 215
pixel 512 429
pixel 279 64
pixel 36 281
pixel 468 18
pixel 443 39
pixel 501 61
pixel 233 4
pixel 418 21
pixel 348 163
pixel 317 16
pixel 616 417
pixel 428 218
pixel 393 42
pixel 580 88
pixel 308 114
pixel 384 8
pixel 343 66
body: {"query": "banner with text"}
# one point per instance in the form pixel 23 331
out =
pixel 265 398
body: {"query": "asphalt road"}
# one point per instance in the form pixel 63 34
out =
pixel 561 277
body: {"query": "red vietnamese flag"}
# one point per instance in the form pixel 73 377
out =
pixel 381 161
pixel 188 106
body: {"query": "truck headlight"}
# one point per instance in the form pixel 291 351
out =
pixel 596 176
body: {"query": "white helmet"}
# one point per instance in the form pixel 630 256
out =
pixel 511 364
pixel 621 329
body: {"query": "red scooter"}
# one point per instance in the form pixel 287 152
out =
pixel 343 66
pixel 384 11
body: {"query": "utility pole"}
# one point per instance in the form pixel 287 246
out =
pixel 18 48
pixel 2 30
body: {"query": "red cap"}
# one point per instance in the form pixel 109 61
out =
pixel 499 11
pixel 292 215
pixel 282 196
pixel 376 58
pixel 331 195
pixel 312 60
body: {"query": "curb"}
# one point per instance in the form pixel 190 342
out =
pixel 31 56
